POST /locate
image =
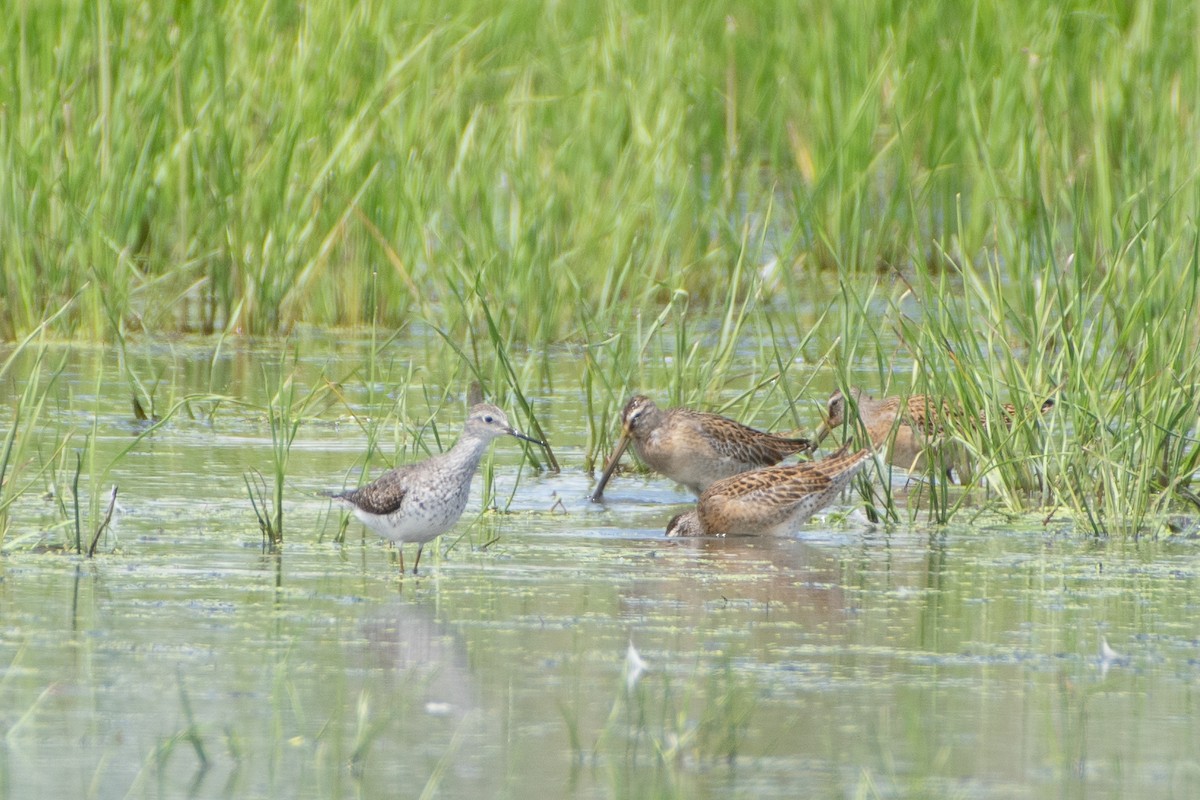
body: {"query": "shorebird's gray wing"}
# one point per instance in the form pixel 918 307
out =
pixel 382 496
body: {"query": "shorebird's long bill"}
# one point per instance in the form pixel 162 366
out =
pixel 822 431
pixel 611 467
pixel 519 435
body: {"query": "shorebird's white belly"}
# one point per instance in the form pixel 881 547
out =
pixel 414 522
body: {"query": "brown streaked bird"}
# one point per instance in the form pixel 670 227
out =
pixel 694 448
pixel 419 502
pixel 907 426
pixel 775 500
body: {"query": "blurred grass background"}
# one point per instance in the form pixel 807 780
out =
pixel 246 166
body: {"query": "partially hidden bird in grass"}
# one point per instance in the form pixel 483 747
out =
pixel 904 428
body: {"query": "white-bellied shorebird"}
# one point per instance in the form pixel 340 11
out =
pixel 419 502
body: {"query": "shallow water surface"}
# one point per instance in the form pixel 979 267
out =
pixel 851 661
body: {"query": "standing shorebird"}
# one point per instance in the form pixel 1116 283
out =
pixel 776 500
pixel 908 427
pixel 694 448
pixel 419 502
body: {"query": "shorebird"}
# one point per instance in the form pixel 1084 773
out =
pixel 775 500
pixel 905 432
pixel 694 448
pixel 906 426
pixel 419 502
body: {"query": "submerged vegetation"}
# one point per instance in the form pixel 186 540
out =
pixel 710 202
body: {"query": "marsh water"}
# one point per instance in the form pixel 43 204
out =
pixel 553 648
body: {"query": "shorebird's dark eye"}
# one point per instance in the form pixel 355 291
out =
pixel 488 420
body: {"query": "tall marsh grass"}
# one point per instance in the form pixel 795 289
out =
pixel 233 165
pixel 22 467
pixel 706 199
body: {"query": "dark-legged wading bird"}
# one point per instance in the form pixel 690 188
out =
pixel 694 448
pixel 419 502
